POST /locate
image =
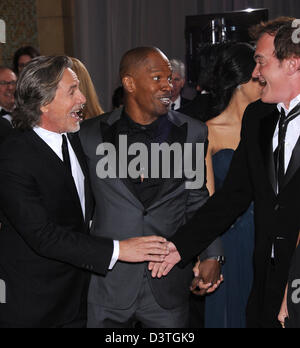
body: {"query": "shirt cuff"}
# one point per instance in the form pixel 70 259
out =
pixel 115 255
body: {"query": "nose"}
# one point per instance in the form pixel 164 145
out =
pixel 11 87
pixel 167 86
pixel 256 72
pixel 81 98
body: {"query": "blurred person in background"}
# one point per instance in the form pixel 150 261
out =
pixel 92 107
pixel 8 81
pixel 23 56
pixel 178 81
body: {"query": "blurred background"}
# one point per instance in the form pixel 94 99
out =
pixel 98 32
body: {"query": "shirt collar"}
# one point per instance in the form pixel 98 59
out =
pixel 128 123
pixel 46 134
pixel 177 102
pixel 293 103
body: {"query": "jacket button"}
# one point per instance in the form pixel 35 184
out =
pixel 145 213
pixel 277 207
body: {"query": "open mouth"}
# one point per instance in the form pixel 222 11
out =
pixel 165 101
pixel 262 82
pixel 77 114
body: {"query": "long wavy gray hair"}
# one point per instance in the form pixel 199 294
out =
pixel 37 87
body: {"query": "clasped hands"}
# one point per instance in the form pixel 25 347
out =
pixel 163 256
pixel 207 274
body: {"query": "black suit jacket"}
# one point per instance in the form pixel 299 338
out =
pixel 198 108
pixel 45 248
pixel 5 128
pixel 252 177
pixel 184 102
pixel 293 321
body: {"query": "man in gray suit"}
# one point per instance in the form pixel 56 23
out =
pixel 129 205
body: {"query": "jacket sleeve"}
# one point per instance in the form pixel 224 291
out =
pixel 220 211
pixel 24 210
pixel 196 199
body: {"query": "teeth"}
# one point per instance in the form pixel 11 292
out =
pixel 166 101
pixel 263 82
pixel 74 115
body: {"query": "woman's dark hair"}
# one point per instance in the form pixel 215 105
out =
pixel 207 59
pixel 26 50
pixel 118 97
pixel 37 87
pixel 234 66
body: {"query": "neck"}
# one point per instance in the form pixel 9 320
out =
pixel 237 107
pixel 174 98
pixel 292 91
pixel 138 117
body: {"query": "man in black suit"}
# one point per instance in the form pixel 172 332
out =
pixel 265 169
pixel 46 252
pixel 8 82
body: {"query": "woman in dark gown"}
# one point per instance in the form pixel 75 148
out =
pixel 232 89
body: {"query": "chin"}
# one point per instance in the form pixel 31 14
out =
pixel 268 100
pixel 74 129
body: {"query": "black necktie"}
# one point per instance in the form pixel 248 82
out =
pixel 65 153
pixel 280 160
pixel 173 106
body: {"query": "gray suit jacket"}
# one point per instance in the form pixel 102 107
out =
pixel 120 215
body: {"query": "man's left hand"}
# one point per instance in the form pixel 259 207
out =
pixel 207 277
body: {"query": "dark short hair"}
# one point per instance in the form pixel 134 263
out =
pixel 133 58
pixel 281 28
pixel 25 50
pixel 37 87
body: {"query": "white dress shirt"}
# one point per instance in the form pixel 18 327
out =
pixel 54 141
pixel 292 134
pixel 176 103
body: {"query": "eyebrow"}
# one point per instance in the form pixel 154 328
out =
pixel 257 56
pixel 73 87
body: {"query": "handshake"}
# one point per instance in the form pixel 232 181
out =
pixel 163 255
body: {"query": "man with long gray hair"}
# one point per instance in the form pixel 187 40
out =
pixel 46 252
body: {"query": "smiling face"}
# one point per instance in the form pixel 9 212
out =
pixel 149 88
pixel 60 115
pixel 7 89
pixel 270 71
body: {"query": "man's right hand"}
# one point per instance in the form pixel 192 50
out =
pixel 161 269
pixel 140 249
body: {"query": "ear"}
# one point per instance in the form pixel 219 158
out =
pixel 128 83
pixel 293 65
pixel 44 109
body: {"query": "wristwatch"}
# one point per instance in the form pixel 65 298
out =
pixel 220 259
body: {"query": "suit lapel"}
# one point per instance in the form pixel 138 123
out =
pixel 294 164
pixel 108 128
pixel 55 164
pixel 268 126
